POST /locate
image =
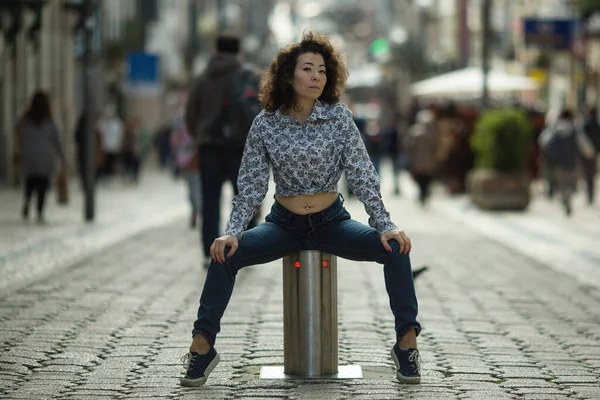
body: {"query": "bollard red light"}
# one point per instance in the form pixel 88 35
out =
pixel 297 264
pixel 325 264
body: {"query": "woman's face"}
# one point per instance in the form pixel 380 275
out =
pixel 309 76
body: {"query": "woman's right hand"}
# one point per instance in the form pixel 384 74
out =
pixel 217 250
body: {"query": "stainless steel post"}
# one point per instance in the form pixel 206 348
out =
pixel 310 332
pixel 310 320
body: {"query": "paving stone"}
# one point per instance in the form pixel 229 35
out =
pixel 577 379
pixel 522 372
pixel 524 383
pixel 585 391
pixel 121 320
pixel 13 369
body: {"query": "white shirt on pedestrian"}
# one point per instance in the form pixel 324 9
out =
pixel 112 132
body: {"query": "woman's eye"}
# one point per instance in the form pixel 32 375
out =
pixel 307 69
pixel 322 72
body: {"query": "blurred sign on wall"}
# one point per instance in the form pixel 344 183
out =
pixel 550 34
pixel 143 73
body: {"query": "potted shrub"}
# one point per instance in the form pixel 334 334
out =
pixel 501 144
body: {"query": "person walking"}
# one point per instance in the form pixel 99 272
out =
pixel 38 148
pixel 421 146
pixel 222 103
pixel 112 131
pixel 308 138
pixel 590 165
pixel 563 143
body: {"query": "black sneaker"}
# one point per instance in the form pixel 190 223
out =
pixel 198 367
pixel 408 364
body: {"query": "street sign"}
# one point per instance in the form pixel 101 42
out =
pixel 143 73
pixel 550 34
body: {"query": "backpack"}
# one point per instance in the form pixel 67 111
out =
pixel 561 150
pixel 241 106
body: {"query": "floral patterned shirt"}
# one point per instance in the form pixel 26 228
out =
pixel 306 159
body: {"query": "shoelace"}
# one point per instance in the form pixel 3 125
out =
pixel 415 359
pixel 186 359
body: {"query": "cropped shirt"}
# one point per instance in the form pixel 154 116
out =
pixel 306 158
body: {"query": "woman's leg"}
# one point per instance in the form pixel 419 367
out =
pixel 262 244
pixel 352 240
pixel 192 179
pixel 42 188
pixel 29 186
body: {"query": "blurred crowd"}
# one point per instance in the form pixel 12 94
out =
pixel 435 146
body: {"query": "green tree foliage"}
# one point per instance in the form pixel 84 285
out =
pixel 502 140
pixel 588 6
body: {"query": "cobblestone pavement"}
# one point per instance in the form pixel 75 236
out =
pixel 28 250
pixel 498 324
pixel 543 232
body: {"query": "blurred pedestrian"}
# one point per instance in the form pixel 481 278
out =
pixel 562 144
pixel 393 147
pixel 37 151
pixel 307 137
pixel 162 146
pixel 131 150
pixel 590 165
pixel 421 146
pixel 222 103
pixel 111 130
pixel 185 153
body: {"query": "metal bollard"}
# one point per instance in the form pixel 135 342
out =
pixel 310 320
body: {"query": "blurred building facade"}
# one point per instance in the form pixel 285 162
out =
pixel 37 51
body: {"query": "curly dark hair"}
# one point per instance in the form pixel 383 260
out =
pixel 275 89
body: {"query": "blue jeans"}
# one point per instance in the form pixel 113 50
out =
pixel 331 230
pixel 192 179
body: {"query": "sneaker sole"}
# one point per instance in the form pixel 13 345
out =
pixel 201 381
pixel 402 378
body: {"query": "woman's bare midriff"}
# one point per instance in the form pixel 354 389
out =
pixel 307 204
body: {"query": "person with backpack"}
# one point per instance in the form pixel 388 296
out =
pixel 222 103
pixel 590 165
pixel 562 143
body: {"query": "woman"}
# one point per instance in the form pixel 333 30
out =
pixel 308 138
pixel 38 148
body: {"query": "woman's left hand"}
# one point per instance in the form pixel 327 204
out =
pixel 400 237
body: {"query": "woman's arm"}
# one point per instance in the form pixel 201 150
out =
pixel 253 183
pixel 361 175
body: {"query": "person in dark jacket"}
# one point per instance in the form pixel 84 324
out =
pixel 219 159
pixel 563 143
pixel 590 165
pixel 38 150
